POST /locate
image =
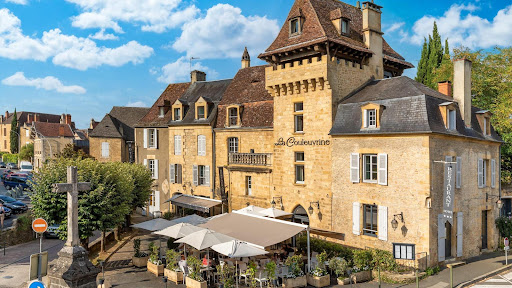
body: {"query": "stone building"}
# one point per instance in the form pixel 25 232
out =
pixel 113 139
pixel 49 140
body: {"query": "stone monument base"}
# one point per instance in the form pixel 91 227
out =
pixel 72 269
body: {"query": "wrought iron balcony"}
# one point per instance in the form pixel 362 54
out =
pixel 255 159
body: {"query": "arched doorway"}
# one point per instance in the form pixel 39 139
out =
pixel 300 215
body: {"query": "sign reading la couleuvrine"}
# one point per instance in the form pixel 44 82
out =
pixel 290 142
pixel 448 192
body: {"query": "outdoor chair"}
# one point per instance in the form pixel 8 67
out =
pixel 243 272
pixel 245 260
pixel 185 271
pixel 261 278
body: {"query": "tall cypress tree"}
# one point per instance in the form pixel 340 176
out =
pixel 446 47
pixel 435 57
pixel 422 65
pixel 14 133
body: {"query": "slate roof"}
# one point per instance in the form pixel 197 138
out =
pixel 23 117
pixel 409 107
pixel 248 89
pixel 318 28
pixel 119 123
pixel 171 94
pixel 53 129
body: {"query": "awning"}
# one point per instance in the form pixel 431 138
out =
pixel 194 202
pixel 262 231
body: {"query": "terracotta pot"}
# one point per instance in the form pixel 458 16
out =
pixel 158 270
pixel 319 282
pixel 140 261
pixel 174 276
pixel 295 282
pixel 191 283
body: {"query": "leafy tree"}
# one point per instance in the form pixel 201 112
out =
pixel 69 152
pixel 27 152
pixel 435 57
pixel 422 65
pixel 14 133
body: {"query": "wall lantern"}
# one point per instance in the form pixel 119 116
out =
pixel 499 203
pixel 394 222
pixel 310 209
pixel 273 202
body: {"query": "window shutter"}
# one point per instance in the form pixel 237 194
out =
pixel 179 144
pixel 480 173
pixel 146 162
pixel 204 144
pixel 354 168
pixel 207 175
pixel 441 237
pixel 365 119
pixel 195 174
pixel 383 223
pixel 493 173
pixel 383 169
pixel 157 201
pixel 201 145
pixel 156 169
pixel 356 214
pixel 180 180
pixel 172 174
pixel 459 172
pixel 459 234
pixel 145 138
pixel 155 135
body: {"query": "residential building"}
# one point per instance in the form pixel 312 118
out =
pixel 49 140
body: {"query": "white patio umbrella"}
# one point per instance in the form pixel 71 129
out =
pixel 274 213
pixel 204 239
pixel 178 231
pixel 251 209
pixel 154 225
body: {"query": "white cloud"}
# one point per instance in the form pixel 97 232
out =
pixel 136 104
pixel 100 35
pixel 223 32
pixel 48 83
pixel 65 50
pixel 394 27
pixel 179 71
pixel 463 28
pixel 20 2
pixel 155 15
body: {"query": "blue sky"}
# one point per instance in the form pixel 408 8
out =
pixel 84 56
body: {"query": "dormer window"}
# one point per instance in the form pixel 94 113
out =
pixel 233 116
pixel 485 129
pixel 344 26
pixel 370 116
pixel 161 113
pixel 177 114
pixel 295 26
pixel 201 112
pixel 484 119
pixel 451 120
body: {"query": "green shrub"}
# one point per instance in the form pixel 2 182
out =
pixel 432 270
pixel 172 259
pixel 384 259
pixel 295 264
pixel 504 225
pixel 332 249
pixel 171 244
pixel 195 268
pixel 168 215
pixel 24 223
pixel 339 266
pixel 10 158
pixel 363 259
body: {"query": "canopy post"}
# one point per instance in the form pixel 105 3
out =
pixel 309 253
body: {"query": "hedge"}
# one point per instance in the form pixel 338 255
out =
pixel 10 158
pixel 332 249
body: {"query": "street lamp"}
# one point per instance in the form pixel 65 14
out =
pixel 499 203
pixel 394 222
pixel 310 209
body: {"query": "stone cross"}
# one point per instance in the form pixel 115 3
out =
pixel 72 188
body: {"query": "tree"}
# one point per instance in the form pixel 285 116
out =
pixel 69 152
pixel 435 57
pixel 14 133
pixel 422 65
pixel 27 152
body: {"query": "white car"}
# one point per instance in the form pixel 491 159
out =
pixel 26 166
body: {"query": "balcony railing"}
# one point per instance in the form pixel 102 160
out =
pixel 256 159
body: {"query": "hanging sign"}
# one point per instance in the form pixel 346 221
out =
pixel 448 195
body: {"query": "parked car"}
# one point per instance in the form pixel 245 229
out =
pixel 2 164
pixel 4 174
pixel 13 204
pixel 12 181
pixel 7 212
pixel 52 231
pixel 26 166
pixel 11 166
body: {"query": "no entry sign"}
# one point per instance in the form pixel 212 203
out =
pixel 39 225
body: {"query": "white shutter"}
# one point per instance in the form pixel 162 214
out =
pixel 105 150
pixel 145 138
pixel 177 145
pixel 480 173
pixel 204 145
pixel 354 168
pixel 155 138
pixel 146 162
pixel 157 201
pixel 356 214
pixel 207 175
pixel 382 163
pixel 383 223
pixel 155 163
pixel 493 173
pixel 194 170
pixel 441 237
pixel 459 172
pixel 365 120
pixel 201 145
pixel 460 234
pixel 172 174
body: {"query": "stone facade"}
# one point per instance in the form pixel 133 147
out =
pixel 118 150
pixel 47 147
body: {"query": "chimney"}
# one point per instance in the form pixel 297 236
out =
pixel 246 59
pixel 197 76
pixel 462 88
pixel 445 88
pixel 30 118
pixel 36 117
pixel 358 5
pixel 372 36
pixel 6 115
pixel 61 130
pixel 91 125
pixel 68 119
pixel 62 118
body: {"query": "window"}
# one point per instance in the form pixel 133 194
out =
pixel 200 112
pixel 294 26
pixel 299 117
pixel 27 133
pixel 233 145
pixel 153 167
pixel 248 185
pixel 299 168
pixel 485 130
pixel 344 26
pixel 152 138
pixel 202 174
pixel 452 120
pixel 177 114
pixel 404 251
pixel 105 151
pixel 177 144
pixel 176 173
pixel 370 220
pixel 161 113
pixel 371 118
pixel 152 199
pixel 233 117
pixel 370 168
pixel 483 164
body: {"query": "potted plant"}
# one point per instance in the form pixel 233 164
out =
pixel 251 274
pixel 172 271
pixel 339 267
pixel 270 269
pixel 155 266
pixel 139 259
pixel 194 279
pixel 363 262
pixel 226 276
pixel 319 276
pixel 296 277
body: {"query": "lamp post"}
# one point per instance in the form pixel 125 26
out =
pixel 164 279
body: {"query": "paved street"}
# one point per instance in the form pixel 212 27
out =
pixel 498 281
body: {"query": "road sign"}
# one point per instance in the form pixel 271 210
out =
pixel 506 241
pixel 39 225
pixel 38 263
pixel 36 284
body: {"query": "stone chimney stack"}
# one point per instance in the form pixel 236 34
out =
pixel 372 36
pixel 246 59
pixel 462 88
pixel 445 88
pixel 6 115
pixel 36 117
pixel 62 118
pixel 30 118
pixel 68 119
pixel 197 76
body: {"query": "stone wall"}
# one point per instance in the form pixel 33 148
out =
pixel 48 148
pixel 117 149
pixel 5 139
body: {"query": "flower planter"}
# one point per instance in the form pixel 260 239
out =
pixel 295 282
pixel 191 283
pixel 359 277
pixel 341 281
pixel 158 270
pixel 174 276
pixel 319 281
pixel 140 262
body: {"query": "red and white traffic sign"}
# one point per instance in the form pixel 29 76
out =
pixel 506 241
pixel 39 225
